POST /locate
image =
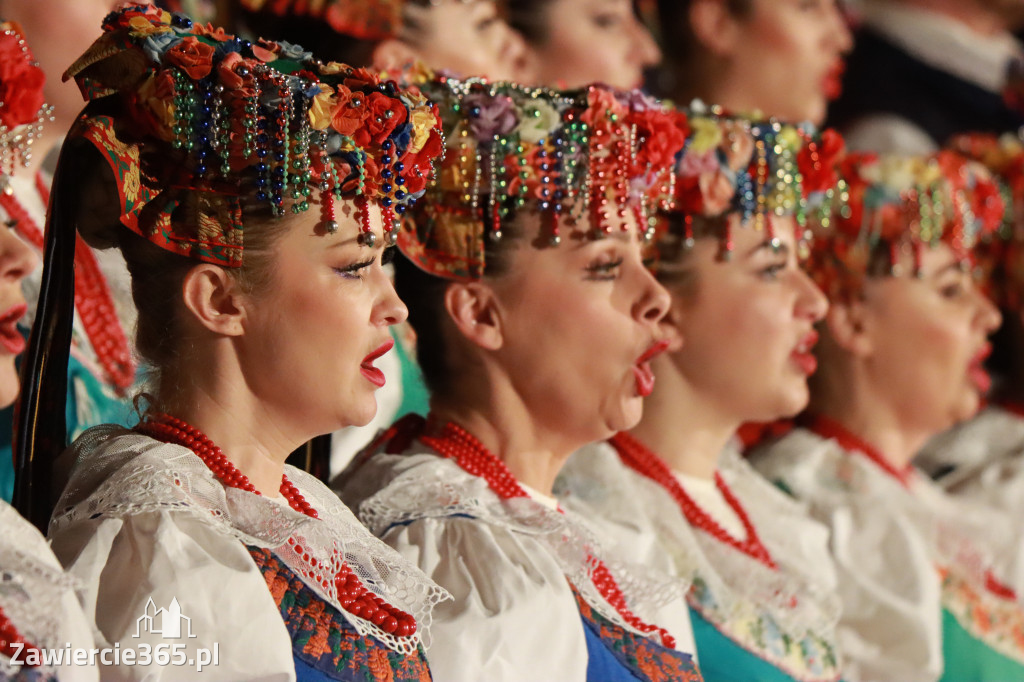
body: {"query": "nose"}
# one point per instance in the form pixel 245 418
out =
pixel 513 52
pixel 16 258
pixel 989 318
pixel 840 34
pixel 812 302
pixel 389 309
pixel 645 50
pixel 653 300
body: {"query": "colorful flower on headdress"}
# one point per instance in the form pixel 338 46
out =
pixel 595 153
pixel 368 19
pixel 754 168
pixel 22 111
pixel 263 123
pixel 898 204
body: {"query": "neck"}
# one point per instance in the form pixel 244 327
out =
pixel 981 17
pixel 867 412
pixel 533 454
pixel 683 428
pixel 255 440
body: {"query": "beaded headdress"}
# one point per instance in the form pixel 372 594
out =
pixel 756 169
pixel 366 19
pixel 232 123
pixel 592 154
pixel 1002 257
pixel 897 205
pixel 22 111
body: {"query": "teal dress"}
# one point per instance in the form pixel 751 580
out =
pixel 969 659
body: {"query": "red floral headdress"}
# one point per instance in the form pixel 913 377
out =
pixel 593 152
pixel 22 111
pixel 900 204
pixel 205 122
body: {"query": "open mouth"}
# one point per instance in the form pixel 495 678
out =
pixel 374 375
pixel 832 84
pixel 10 337
pixel 977 373
pixel 642 369
pixel 802 355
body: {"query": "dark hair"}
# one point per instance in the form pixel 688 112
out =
pixel 530 19
pixel 423 295
pixel 680 76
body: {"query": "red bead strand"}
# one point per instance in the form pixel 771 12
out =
pixel 9 636
pixel 455 443
pixel 641 459
pixel 353 596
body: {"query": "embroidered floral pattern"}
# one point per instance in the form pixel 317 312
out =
pixel 323 639
pixel 996 621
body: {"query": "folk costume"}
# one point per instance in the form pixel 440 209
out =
pixel 759 577
pixel 523 573
pixel 927 584
pixel 193 123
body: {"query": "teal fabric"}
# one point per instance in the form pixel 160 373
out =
pixel 723 660
pixel 103 408
pixel 415 396
pixel 968 659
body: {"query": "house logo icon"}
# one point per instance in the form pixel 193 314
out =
pixel 164 622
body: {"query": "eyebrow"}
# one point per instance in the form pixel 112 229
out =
pixel 624 236
pixel 776 246
pixel 953 266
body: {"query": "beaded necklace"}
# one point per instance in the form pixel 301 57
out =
pixel 353 596
pixel 93 299
pixel 831 429
pixel 457 444
pixel 9 636
pixel 645 462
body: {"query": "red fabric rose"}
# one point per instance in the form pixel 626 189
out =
pixel 237 85
pixel 417 166
pixel 850 170
pixel 350 112
pixel 663 133
pixel 21 84
pixel 361 77
pixel 383 115
pixel 817 162
pixel 193 56
pixel 988 205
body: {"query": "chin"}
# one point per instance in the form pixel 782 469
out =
pixel 9 384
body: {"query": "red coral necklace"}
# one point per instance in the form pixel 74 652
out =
pixel 352 594
pixel 9 636
pixel 832 430
pixel 93 300
pixel 457 444
pixel 641 459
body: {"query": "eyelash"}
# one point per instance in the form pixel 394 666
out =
pixel 773 270
pixel 603 272
pixel 354 271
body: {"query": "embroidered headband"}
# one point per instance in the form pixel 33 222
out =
pixel 592 154
pixel 755 168
pixel 22 111
pixel 208 122
pixel 365 19
pixel 895 203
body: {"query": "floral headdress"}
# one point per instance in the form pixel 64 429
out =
pixel 232 122
pixel 900 204
pixel 590 153
pixel 755 168
pixel 366 19
pixel 1002 257
pixel 22 111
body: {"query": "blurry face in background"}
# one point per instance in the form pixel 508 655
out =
pixel 16 261
pixel 928 340
pixel 785 56
pixel 58 32
pixel 592 41
pixel 467 39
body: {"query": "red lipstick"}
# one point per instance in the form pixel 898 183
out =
pixel 374 375
pixel 10 338
pixel 977 373
pixel 642 369
pixel 832 84
pixel 802 355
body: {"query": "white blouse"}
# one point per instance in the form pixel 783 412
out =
pixel 40 599
pixel 143 521
pixel 506 562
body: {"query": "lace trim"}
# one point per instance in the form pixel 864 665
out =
pixel 120 473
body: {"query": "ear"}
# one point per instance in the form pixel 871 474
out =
pixel 848 325
pixel 714 26
pixel 393 54
pixel 212 295
pixel 473 308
